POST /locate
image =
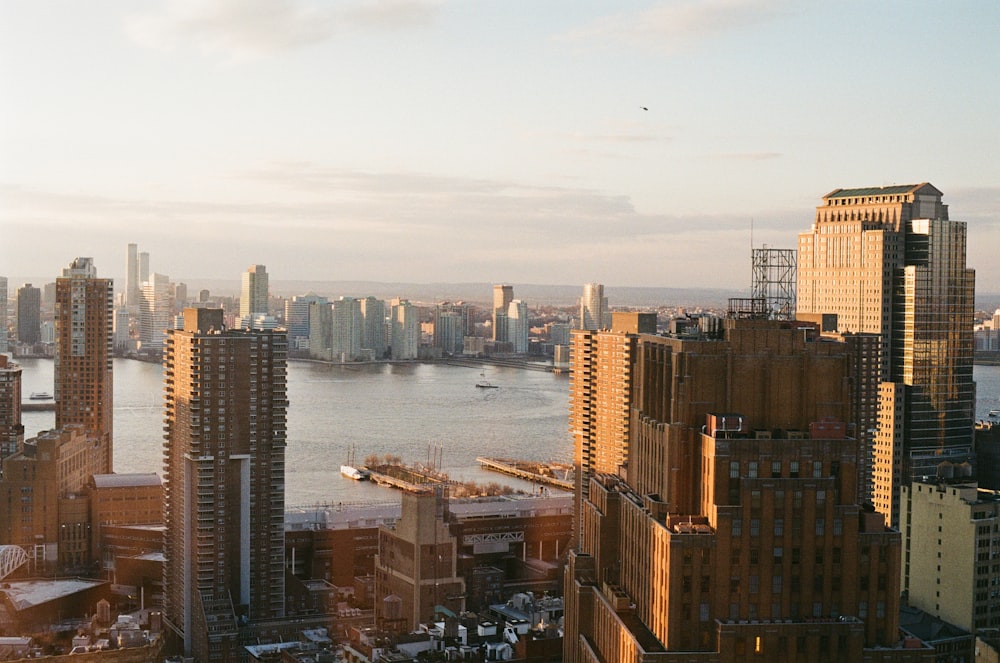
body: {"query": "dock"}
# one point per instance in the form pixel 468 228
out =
pixel 557 475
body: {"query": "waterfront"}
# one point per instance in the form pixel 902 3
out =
pixel 400 409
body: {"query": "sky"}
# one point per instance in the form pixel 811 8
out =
pixel 454 141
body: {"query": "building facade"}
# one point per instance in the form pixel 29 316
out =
pixel 731 531
pixel 253 295
pixel 156 312
pixel 888 261
pixel 84 377
pixel 951 552
pixel 405 330
pixel 11 428
pixel 29 314
pixel 594 312
pixel 503 295
pixel 224 453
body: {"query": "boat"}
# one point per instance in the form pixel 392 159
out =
pixel 40 396
pixel 993 416
pixel 484 383
pixel 350 471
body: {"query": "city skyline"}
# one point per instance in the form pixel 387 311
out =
pixel 257 128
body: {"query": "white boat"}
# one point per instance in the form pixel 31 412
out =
pixel 352 472
pixel 484 383
pixel 40 396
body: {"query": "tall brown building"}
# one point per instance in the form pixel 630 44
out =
pixel 224 476
pixel 888 261
pixel 600 395
pixel 732 530
pixel 84 382
pixel 11 428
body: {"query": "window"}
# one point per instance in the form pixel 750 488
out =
pixel 775 469
pixel 752 469
pixel 779 526
pixel 737 527
pixel 820 527
pixel 817 469
pixel 734 469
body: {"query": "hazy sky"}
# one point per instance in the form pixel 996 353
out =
pixel 474 140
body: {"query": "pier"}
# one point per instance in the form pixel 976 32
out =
pixel 557 475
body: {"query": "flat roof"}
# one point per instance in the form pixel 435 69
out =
pixel 126 480
pixel 24 594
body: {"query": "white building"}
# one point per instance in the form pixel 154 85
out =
pixel 517 325
pixel 155 312
pixel 405 335
pixel 253 295
pixel 594 308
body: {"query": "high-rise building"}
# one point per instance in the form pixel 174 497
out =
pixel 731 529
pixel 29 314
pixel 11 428
pixel 3 314
pixel 405 329
pixel 84 378
pixel 143 268
pixel 155 312
pixel 253 295
pixel 224 473
pixel 374 339
pixel 594 307
pixel 950 552
pixel 518 326
pixel 321 331
pixel 133 285
pixel 449 327
pixel 503 295
pixel 297 314
pixel 888 261
pixel 348 329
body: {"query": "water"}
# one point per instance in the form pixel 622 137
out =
pixel 400 409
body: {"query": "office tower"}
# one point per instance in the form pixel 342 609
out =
pixel 29 314
pixel 253 295
pixel 518 326
pixel 121 331
pixel 11 429
pixel 132 283
pixel 84 379
pixel 950 552
pixel 888 261
pixel 594 307
pixel 374 339
pixel 503 295
pixel 404 336
pixel 143 268
pixel 3 314
pixel 731 529
pixel 449 327
pixel 224 473
pixel 297 314
pixel 348 329
pixel 155 312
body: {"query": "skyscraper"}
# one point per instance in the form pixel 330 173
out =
pixel 29 314
pixel 731 529
pixel 3 314
pixel 143 267
pixel 503 295
pixel 253 295
pixel 11 428
pixel 594 307
pixel 84 379
pixel 888 261
pixel 374 339
pixel 405 325
pixel 132 282
pixel 518 326
pixel 155 312
pixel 224 473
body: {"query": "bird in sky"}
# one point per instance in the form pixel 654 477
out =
pixel 643 108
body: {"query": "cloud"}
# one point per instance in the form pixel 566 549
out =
pixel 241 30
pixel 677 25
pixel 750 156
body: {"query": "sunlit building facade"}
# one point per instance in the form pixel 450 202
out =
pixel 224 473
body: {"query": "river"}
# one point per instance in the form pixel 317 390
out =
pixel 403 409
